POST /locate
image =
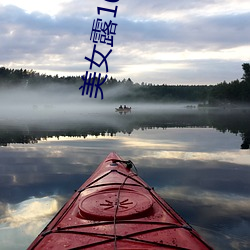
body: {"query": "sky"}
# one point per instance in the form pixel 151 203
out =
pixel 160 42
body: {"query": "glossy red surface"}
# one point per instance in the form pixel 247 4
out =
pixel 116 209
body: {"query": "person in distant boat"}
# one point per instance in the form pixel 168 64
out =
pixel 120 107
pixel 125 106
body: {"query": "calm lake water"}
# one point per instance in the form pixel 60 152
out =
pixel 197 160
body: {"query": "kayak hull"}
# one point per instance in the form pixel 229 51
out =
pixel 116 209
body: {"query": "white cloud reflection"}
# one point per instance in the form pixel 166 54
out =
pixel 231 203
pixel 198 172
pixel 22 222
pixel 172 143
pixel 30 212
pixel 235 156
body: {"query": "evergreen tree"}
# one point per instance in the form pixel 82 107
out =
pixel 246 69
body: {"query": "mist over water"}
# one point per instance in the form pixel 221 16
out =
pixel 54 110
pixel 48 102
pixel 65 103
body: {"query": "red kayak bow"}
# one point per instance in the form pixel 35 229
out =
pixel 116 209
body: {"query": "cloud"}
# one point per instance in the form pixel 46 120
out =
pixel 157 41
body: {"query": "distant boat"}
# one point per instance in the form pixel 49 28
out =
pixel 125 110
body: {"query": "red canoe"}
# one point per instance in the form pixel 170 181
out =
pixel 116 209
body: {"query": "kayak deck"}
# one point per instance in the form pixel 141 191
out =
pixel 116 209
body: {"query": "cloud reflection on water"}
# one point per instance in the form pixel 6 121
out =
pixel 235 156
pixel 21 222
pixel 29 211
pixel 207 184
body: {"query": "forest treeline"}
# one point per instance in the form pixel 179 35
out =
pixel 236 91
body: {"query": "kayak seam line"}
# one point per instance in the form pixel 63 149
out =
pixel 62 230
pixel 128 237
pixel 110 184
pixel 114 170
pixel 99 178
pixel 120 222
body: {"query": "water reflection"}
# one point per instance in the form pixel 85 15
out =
pixel 195 167
pixel 31 210
pixel 79 124
pixel 20 222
